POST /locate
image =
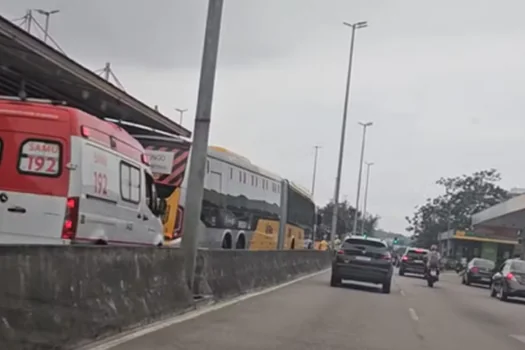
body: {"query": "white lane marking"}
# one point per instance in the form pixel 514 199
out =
pixel 139 332
pixel 413 314
pixel 521 338
pixel 403 293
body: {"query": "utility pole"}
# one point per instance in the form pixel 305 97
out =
pixel 365 126
pixel 315 168
pixel 199 146
pixel 368 165
pixel 333 231
pixel 47 14
pixel 181 111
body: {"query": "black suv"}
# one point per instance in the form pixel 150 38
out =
pixel 364 260
pixel 413 261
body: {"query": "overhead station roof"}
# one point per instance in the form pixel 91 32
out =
pixel 50 74
pixel 508 214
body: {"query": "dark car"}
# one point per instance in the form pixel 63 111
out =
pixel 364 260
pixel 478 271
pixel 413 261
pixel 509 280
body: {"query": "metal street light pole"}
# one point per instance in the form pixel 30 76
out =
pixel 365 126
pixel 449 210
pixel 181 111
pixel 315 168
pixel 368 165
pixel 314 231
pixel 47 14
pixel 333 231
pixel 199 147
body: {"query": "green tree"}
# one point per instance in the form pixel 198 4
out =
pixel 345 221
pixel 463 196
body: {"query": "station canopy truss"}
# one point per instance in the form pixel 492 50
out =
pixel 30 65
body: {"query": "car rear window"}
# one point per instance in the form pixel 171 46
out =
pixel 417 253
pixel 363 242
pixel 486 264
pixel 518 266
pixel 40 157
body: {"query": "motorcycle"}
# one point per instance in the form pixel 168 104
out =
pixel 432 276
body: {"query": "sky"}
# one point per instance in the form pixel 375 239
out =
pixel 442 81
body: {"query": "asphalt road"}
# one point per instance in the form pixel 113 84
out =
pixel 312 315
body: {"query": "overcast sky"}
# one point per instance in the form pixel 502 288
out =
pixel 441 80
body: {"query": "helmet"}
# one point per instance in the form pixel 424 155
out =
pixel 433 247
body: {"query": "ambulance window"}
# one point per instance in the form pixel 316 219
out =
pixel 129 182
pixel 40 157
pixel 151 190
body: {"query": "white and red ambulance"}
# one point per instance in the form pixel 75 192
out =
pixel 69 177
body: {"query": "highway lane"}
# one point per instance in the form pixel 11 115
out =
pixel 312 315
pixel 457 314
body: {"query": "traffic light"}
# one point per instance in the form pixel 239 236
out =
pixel 396 240
pixel 365 235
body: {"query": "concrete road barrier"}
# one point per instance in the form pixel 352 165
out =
pixel 54 297
pixel 226 274
pixel 61 297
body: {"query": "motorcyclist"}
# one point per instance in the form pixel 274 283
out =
pixel 433 259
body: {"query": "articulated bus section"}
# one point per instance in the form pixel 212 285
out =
pixel 300 212
pixel 243 205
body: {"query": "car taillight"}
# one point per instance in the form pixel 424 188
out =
pixel 404 258
pixel 69 229
pixel 474 270
pixel 386 256
pixel 510 277
pixel 340 252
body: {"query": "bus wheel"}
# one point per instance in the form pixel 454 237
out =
pixel 227 242
pixel 241 242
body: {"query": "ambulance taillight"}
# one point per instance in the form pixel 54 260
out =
pixel 69 229
pixel 84 131
pixel 145 159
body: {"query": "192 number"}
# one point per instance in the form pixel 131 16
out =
pixel 101 183
pixel 41 164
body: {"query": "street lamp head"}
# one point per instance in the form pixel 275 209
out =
pixel 47 13
pixel 357 25
pixel 369 163
pixel 366 124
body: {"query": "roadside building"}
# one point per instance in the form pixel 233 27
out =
pixel 489 243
